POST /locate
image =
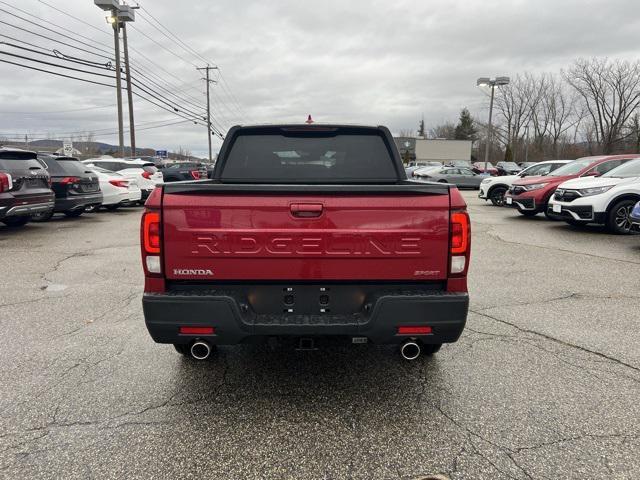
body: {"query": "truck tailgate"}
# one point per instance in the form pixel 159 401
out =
pixel 305 237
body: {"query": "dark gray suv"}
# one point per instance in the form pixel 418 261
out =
pixel 25 187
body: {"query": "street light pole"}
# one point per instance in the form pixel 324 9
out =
pixel 489 131
pixel 493 83
pixel 117 16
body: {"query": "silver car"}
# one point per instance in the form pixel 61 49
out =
pixel 461 177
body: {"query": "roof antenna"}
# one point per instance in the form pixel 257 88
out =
pixel 309 120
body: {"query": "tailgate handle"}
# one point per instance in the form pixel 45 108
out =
pixel 306 210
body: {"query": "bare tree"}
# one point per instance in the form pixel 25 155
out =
pixel 406 133
pixel 516 104
pixel 610 91
pixel 560 110
pixel 445 130
pixel 632 133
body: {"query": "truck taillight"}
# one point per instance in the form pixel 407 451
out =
pixel 6 183
pixel 151 243
pixel 195 174
pixel 460 242
pixel 151 232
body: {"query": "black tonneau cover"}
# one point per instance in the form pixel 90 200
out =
pixel 406 187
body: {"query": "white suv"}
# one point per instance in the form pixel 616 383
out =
pixel 494 188
pixel 605 200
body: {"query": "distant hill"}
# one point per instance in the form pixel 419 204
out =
pixel 89 149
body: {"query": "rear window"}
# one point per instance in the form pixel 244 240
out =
pixel 309 157
pixel 64 166
pixel 17 161
pixel 183 166
pixel 150 168
pixel 508 165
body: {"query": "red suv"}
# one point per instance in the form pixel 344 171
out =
pixel 531 195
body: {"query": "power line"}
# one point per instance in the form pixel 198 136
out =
pixel 22 57
pixel 48 29
pixel 100 49
pixel 56 73
pixel 50 112
pixel 58 55
pixel 164 30
pixel 158 96
pixel 98 133
pixel 172 110
pixel 161 46
pixel 178 41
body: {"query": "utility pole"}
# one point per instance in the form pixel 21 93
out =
pixel 116 44
pixel 207 69
pixel 132 130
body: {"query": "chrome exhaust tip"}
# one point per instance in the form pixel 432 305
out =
pixel 200 350
pixel 410 350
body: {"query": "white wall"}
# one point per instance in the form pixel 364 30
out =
pixel 442 150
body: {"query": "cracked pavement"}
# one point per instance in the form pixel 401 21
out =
pixel 543 384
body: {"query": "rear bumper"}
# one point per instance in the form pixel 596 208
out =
pixel 235 323
pixel 26 210
pixel 77 202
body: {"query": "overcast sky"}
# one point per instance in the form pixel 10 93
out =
pixel 373 62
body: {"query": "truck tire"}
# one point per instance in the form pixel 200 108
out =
pixel 16 221
pixel 496 195
pixel 619 218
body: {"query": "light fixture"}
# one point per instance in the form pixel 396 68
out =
pixel 111 19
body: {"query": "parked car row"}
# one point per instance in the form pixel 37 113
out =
pixel 601 190
pixel 465 175
pixel 462 177
pixel 36 186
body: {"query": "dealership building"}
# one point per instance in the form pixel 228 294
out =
pixel 433 150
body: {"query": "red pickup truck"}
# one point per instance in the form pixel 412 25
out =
pixel 306 232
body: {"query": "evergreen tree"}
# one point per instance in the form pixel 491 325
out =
pixel 421 128
pixel 465 130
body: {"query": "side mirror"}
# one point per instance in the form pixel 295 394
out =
pixel 592 173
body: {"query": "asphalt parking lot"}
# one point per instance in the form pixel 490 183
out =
pixel 544 383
